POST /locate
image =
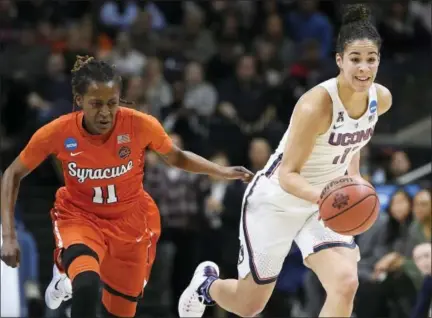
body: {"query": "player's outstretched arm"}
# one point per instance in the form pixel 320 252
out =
pixel 311 117
pixel 192 162
pixel 39 147
pixel 156 139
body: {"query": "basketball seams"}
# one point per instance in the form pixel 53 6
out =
pixel 367 219
pixel 346 186
pixel 355 204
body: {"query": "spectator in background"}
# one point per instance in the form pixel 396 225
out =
pixel 157 18
pixel 135 94
pixel 423 260
pixel 25 60
pixel 143 37
pixel 404 33
pixel 198 41
pixel 179 196
pixel 200 96
pixel 158 90
pixel 246 107
pixel 307 23
pixel 399 165
pixel 222 65
pixel 78 43
pixel 269 64
pixel 128 61
pixel 274 33
pixel 259 154
pixel 52 95
pixel 222 208
pixel 231 31
pixel 118 15
pixel 421 9
pixel 379 284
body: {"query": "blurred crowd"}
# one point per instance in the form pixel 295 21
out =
pixel 223 78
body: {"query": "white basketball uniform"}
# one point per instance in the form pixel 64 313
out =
pixel 272 218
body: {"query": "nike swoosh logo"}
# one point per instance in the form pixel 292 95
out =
pixel 73 154
pixel 337 127
pixel 56 285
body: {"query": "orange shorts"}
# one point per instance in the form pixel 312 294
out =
pixel 126 247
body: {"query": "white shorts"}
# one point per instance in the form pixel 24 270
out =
pixel 271 220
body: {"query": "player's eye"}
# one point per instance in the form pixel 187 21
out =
pixel 355 60
pixel 372 60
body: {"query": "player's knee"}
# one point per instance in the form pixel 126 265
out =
pixel 345 283
pixel 80 258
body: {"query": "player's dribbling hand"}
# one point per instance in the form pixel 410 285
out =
pixel 235 173
pixel 10 252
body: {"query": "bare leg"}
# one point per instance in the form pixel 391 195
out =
pixel 241 297
pixel 336 268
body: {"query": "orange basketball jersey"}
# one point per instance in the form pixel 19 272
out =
pixel 103 174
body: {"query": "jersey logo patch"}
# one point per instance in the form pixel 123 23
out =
pixel 124 152
pixel 71 144
pixel 373 106
pixel 123 139
pixel 340 118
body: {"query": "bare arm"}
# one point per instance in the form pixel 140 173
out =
pixel 306 125
pixel 385 99
pixel 192 162
pixel 9 193
pixel 354 166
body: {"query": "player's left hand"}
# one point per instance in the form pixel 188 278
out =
pixel 234 173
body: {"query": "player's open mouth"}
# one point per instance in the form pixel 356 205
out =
pixel 104 124
pixel 362 78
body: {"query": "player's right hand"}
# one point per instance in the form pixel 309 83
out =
pixel 10 252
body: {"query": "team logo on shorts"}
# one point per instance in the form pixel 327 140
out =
pixel 71 144
pixel 340 201
pixel 124 152
pixel 241 255
pixel 373 106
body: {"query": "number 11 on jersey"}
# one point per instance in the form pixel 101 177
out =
pixel 111 196
pixel 344 155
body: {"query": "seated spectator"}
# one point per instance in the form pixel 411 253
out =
pixel 307 23
pixel 128 61
pixel 198 41
pixel 423 260
pixel 403 32
pixel 158 91
pixel 52 95
pixel 274 33
pixel 246 108
pixel 143 37
pixel 259 153
pixel 269 64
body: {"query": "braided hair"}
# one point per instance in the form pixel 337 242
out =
pixel 87 69
pixel 356 25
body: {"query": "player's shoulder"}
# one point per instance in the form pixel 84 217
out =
pixel 60 124
pixel 316 102
pixel 135 114
pixel 385 98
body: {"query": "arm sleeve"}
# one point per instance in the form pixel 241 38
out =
pixel 153 135
pixel 40 146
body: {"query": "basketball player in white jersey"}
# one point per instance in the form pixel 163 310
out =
pixel 329 126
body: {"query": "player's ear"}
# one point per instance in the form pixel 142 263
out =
pixel 339 60
pixel 78 100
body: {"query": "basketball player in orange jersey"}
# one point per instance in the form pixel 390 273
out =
pixel 105 225
pixel 329 126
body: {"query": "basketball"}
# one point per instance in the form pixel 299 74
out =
pixel 349 206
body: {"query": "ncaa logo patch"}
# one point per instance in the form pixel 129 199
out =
pixel 373 106
pixel 71 144
pixel 124 152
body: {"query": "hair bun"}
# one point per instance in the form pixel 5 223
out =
pixel 356 13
